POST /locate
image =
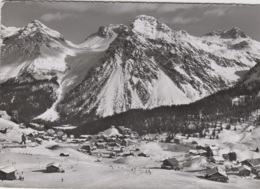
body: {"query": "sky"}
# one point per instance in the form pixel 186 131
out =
pixel 77 20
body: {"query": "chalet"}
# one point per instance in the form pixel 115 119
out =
pixel 101 145
pixel 171 163
pixel 108 154
pixel 143 154
pixel 7 173
pixel 238 100
pixel 50 132
pixel 64 154
pixel 60 133
pixel 118 149
pixel 87 148
pixel 41 133
pixel 126 142
pixel 53 167
pixel 38 140
pixel 218 160
pixel 124 130
pixel 216 174
pixel 64 137
pixel 225 156
pixel 252 163
pixel 244 170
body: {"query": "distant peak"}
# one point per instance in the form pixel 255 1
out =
pixel 146 18
pixel 233 33
pixel 108 31
pixel 36 23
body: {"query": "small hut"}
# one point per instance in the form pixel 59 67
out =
pixel 171 163
pixel 244 170
pixel 216 174
pixel 53 167
pixel 7 173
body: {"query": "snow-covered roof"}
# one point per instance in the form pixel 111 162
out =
pixel 7 169
pixel 54 164
pixel 111 132
pixel 216 170
pixel 254 162
pixel 244 167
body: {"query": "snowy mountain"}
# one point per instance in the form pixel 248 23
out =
pixel 150 65
pixel 144 65
pixel 33 59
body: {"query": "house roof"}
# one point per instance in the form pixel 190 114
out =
pixel 65 153
pixel 172 161
pixel 244 167
pixel 254 162
pixel 7 169
pixel 215 170
pixel 54 164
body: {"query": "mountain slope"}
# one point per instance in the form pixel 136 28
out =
pixel 216 107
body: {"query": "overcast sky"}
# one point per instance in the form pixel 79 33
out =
pixel 77 20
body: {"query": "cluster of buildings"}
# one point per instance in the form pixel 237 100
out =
pixel 110 142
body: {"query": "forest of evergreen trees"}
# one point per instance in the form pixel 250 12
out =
pixel 214 108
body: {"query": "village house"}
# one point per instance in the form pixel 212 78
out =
pixel 86 148
pixel 254 164
pixel 53 167
pixel 118 149
pixel 125 142
pixel 171 163
pixel 200 152
pixel 38 140
pixel 41 133
pixel 64 154
pixel 216 174
pixel 142 154
pixel 218 160
pixel 225 156
pixel 238 100
pixel 258 173
pixel 244 170
pixel 7 173
pixel 64 137
pixel 101 145
pixel 51 132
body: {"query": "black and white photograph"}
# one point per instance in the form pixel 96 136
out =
pixel 129 95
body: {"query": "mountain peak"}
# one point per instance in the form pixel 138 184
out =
pixel 149 27
pixel 37 26
pixel 110 30
pixel 233 33
pixel 146 18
